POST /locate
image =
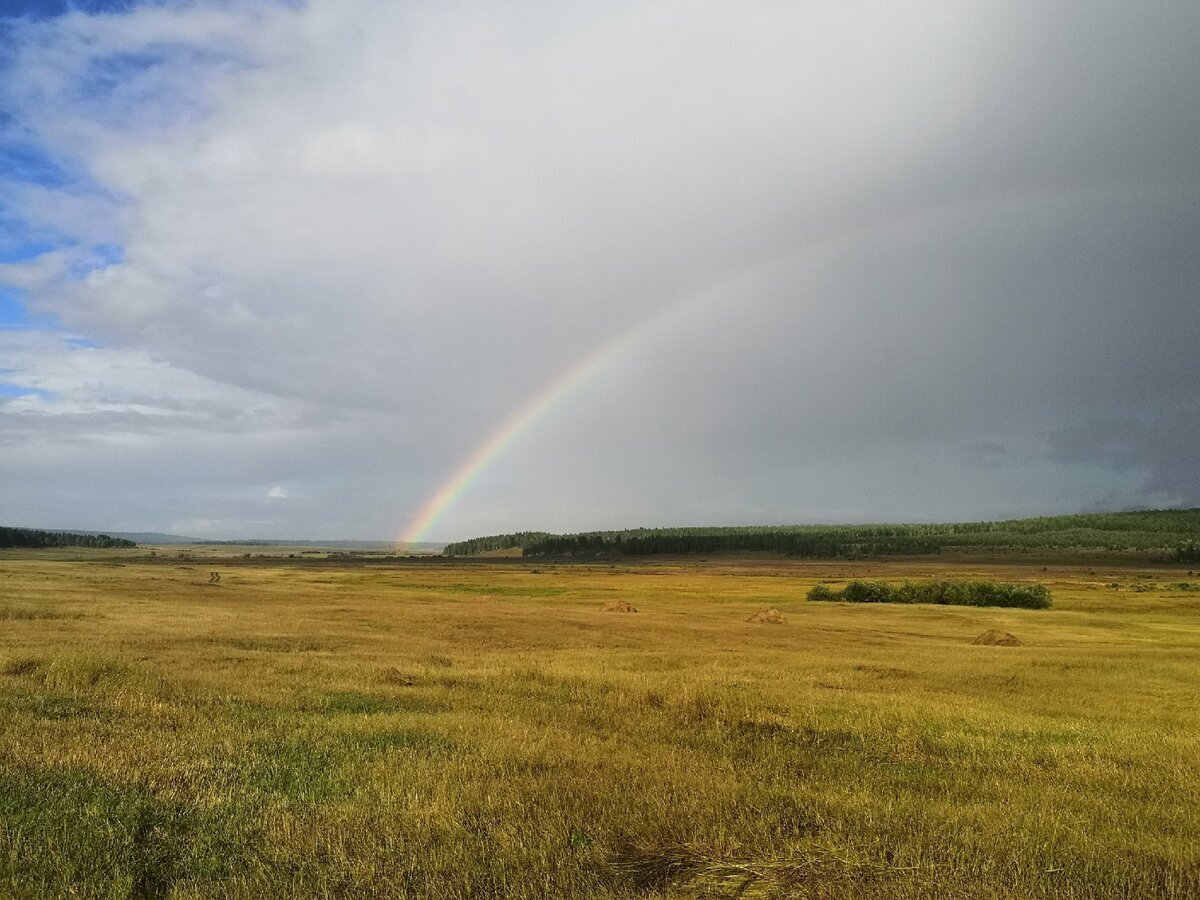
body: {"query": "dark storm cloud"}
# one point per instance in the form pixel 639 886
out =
pixel 1161 449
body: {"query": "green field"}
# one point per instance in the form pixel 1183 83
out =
pixel 326 728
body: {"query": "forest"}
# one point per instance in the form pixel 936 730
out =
pixel 1172 534
pixel 34 537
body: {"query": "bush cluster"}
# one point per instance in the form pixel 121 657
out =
pixel 946 592
pixel 1187 553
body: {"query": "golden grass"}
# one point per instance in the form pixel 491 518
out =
pixel 486 730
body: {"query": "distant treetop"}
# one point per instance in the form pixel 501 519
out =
pixel 1174 532
pixel 34 537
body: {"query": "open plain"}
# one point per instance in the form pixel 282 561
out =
pixel 512 728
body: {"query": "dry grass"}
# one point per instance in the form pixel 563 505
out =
pixel 768 615
pixel 993 637
pixel 618 606
pixel 468 731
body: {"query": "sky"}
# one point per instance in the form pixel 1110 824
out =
pixel 375 269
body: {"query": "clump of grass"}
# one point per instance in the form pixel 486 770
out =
pixel 706 872
pixel 297 769
pixel 943 592
pixel 25 614
pixel 369 704
pixel 61 707
pixel 81 671
pixel 398 677
pixel 271 644
pixel 80 674
pixel 68 671
pixel 355 702
pixel 407 739
pixel 21 666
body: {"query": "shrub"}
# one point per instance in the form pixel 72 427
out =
pixel 867 592
pixel 1187 553
pixel 944 592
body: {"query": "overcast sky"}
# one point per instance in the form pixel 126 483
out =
pixel 280 269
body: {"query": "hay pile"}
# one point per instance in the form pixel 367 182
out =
pixel 619 606
pixel 767 616
pixel 994 638
pixel 392 675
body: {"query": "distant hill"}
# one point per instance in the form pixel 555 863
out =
pixel 1171 534
pixel 331 545
pixel 158 537
pixel 142 537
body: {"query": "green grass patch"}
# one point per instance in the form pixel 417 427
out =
pixel 302 771
pixel 68 832
pixel 409 740
pixel 60 707
pixel 364 704
pixel 320 768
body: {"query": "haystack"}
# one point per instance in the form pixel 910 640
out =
pixel 767 616
pixel 623 606
pixel 995 638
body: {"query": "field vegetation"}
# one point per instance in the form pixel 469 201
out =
pixel 513 729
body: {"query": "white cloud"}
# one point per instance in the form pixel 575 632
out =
pixel 277 493
pixel 89 384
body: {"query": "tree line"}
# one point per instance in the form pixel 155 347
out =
pixel 34 537
pixel 1174 532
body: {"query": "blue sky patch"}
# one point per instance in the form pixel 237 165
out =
pixel 23 251
pixel 22 240
pixel 107 73
pixel 13 313
pixel 12 307
pixel 123 90
pixel 19 390
pixel 38 10
pixel 101 256
pixel 78 343
pixel 24 160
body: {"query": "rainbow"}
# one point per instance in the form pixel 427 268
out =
pixel 592 365
pixel 530 414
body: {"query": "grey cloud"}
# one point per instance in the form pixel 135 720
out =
pixel 984 455
pixel 1162 448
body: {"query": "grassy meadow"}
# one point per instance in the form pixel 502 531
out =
pixel 485 729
